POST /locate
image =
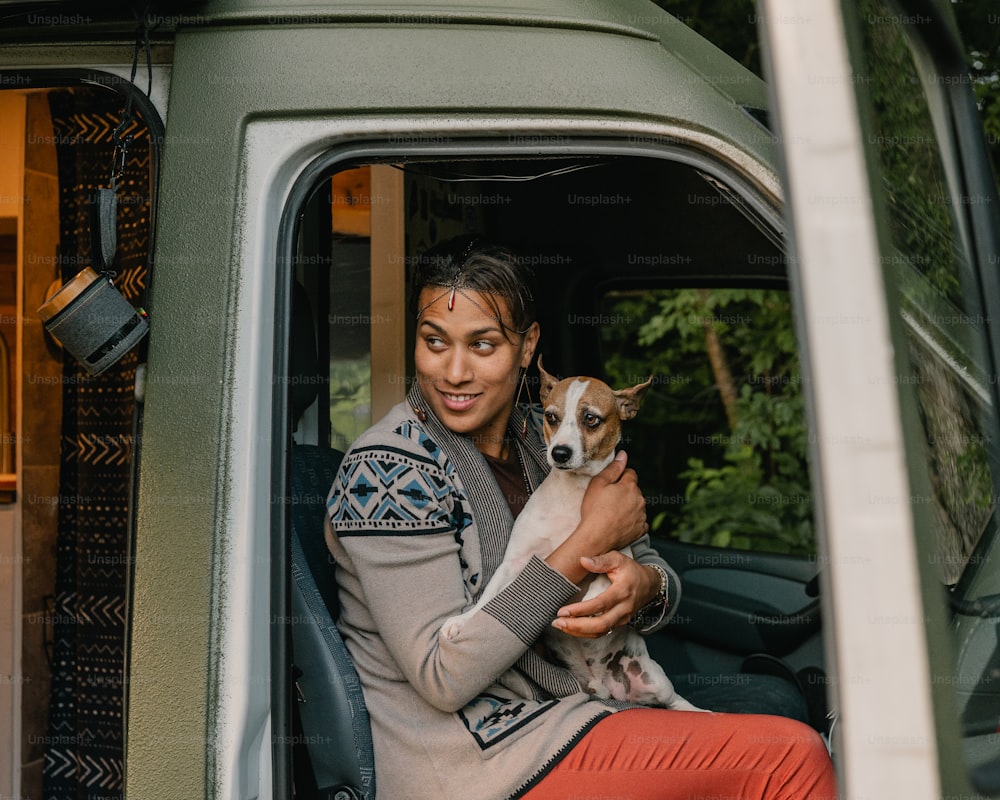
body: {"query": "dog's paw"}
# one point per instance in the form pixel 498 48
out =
pixel 678 703
pixel 453 627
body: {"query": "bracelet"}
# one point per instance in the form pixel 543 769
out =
pixel 641 618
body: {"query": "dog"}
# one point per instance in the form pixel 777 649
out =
pixel 582 428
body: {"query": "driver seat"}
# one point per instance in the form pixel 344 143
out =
pixel 333 723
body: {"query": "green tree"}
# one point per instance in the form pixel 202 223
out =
pixel 739 410
pixel 979 22
pixel 731 25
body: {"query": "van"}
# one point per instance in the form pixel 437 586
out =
pixel 807 267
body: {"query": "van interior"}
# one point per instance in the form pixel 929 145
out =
pixel 646 267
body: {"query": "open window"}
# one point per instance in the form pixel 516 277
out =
pixel 656 263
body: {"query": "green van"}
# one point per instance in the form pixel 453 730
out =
pixel 808 266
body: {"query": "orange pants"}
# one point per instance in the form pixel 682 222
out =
pixel 655 754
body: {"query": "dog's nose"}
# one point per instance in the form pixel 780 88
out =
pixel 561 453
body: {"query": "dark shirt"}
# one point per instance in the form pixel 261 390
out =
pixel 510 477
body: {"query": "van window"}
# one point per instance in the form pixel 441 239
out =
pixel 941 304
pixel 722 438
pixel 350 257
pixel 595 228
pixel 579 223
pixel 947 372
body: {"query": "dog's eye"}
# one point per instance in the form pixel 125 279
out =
pixel 551 418
pixel 592 420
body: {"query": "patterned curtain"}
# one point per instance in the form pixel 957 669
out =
pixel 85 756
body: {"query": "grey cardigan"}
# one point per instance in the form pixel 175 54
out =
pixel 417 525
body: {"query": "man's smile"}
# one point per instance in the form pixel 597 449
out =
pixel 458 401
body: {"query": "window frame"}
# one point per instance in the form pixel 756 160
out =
pixel 749 187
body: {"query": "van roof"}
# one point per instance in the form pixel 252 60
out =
pixel 93 22
pixel 623 16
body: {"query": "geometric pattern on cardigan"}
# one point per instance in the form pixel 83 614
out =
pixel 399 492
pixel 491 719
pixel 381 490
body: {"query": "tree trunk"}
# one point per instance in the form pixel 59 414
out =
pixel 720 365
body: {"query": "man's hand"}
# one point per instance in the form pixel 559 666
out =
pixel 615 505
pixel 632 586
pixel 612 516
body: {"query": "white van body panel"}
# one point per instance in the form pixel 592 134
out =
pixel 880 676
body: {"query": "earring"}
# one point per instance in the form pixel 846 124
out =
pixel 517 400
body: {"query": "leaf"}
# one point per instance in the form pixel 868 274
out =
pixel 721 539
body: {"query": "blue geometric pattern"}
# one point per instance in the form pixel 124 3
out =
pixel 362 490
pixel 415 494
pixel 491 719
pixel 385 491
pixel 388 491
pixel 410 431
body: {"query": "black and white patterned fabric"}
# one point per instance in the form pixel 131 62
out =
pixel 85 756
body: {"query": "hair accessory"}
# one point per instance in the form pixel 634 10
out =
pixel 455 286
pixel 452 278
pixel 469 247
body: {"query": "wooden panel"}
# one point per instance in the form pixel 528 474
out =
pixel 388 290
pixel 12 133
pixel 12 109
pixel 350 201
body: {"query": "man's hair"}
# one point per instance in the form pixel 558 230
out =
pixel 492 270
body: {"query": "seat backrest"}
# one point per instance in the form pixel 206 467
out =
pixel 335 724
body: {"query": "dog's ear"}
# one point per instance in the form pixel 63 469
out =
pixel 629 399
pixel 548 381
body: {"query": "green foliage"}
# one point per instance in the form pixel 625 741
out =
pixel 929 270
pixel 350 400
pixel 979 22
pixel 731 26
pixel 741 478
pixel 734 506
pixel 905 143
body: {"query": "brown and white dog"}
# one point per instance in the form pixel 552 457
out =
pixel 582 429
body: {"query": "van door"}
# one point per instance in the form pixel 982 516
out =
pixel 894 220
